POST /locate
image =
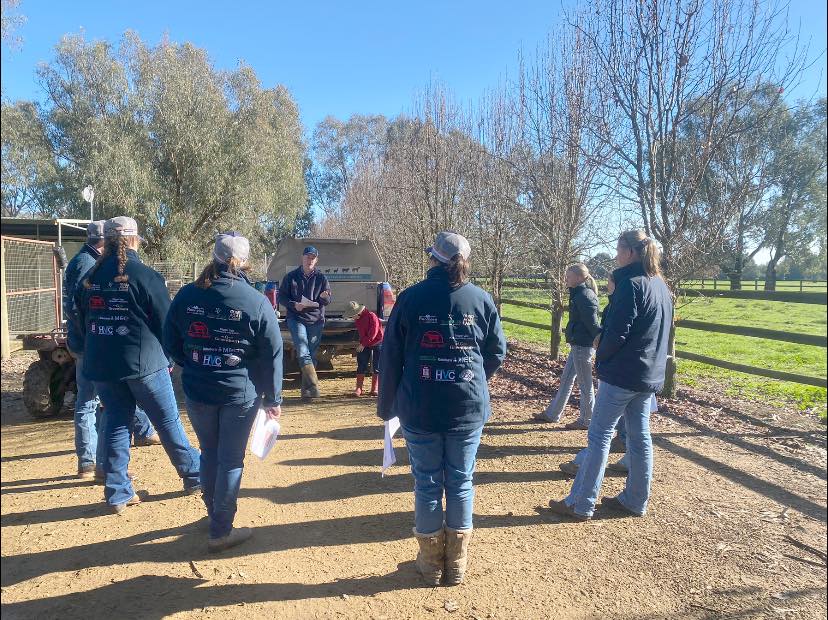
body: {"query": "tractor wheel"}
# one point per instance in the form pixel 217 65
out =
pixel 38 385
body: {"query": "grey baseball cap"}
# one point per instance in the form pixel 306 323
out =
pixel 121 226
pixel 231 245
pixel 95 230
pixel 448 244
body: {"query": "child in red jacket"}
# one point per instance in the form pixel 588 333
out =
pixel 370 343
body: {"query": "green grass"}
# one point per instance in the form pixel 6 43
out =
pixel 750 285
pixel 801 359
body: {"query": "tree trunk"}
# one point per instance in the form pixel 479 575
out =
pixel 670 382
pixel 770 276
pixel 555 334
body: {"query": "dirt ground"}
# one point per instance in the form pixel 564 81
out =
pixel 736 529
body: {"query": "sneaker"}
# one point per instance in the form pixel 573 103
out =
pixel 542 417
pixel 135 499
pixel 577 425
pixel 236 537
pixel 615 505
pixel 619 467
pixel 570 468
pixel 151 440
pixel 86 472
pixel 560 508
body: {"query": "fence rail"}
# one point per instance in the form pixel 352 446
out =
pixel 738 330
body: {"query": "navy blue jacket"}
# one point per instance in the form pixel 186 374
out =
pixel 295 285
pixel 441 346
pixel 77 268
pixel 635 342
pixel 122 321
pixel 226 339
pixel 583 325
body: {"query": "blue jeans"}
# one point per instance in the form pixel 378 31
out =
pixel 90 434
pixel 222 432
pixel 612 403
pixel 154 393
pixel 442 462
pixel 578 365
pixel 306 339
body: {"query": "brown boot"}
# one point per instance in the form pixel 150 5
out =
pixel 374 385
pixel 310 383
pixel 431 555
pixel 360 383
pixel 457 549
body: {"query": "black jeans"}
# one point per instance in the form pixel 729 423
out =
pixel 368 354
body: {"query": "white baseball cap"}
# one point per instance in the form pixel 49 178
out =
pixel 121 226
pixel 231 245
pixel 447 245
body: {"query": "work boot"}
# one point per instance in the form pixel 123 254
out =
pixel 151 440
pixel 570 468
pixel 86 472
pixel 137 498
pixel 312 386
pixel 431 556
pixel 577 425
pixel 457 549
pixel 374 385
pixel 236 537
pixel 360 383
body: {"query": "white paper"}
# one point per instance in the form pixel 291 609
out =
pixel 308 303
pixel 265 434
pixel 388 456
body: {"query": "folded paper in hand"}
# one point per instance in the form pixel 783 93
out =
pixel 388 456
pixel 265 434
pixel 308 303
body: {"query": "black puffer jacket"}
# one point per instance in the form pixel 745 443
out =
pixel 583 325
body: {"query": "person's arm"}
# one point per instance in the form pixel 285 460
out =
pixel 494 348
pixel 157 304
pixel 619 322
pixel 269 361
pixel 324 297
pixel 77 316
pixel 588 309
pixel 284 294
pixel 392 359
pixel 173 342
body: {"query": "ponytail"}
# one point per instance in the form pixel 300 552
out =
pixel 212 271
pixel 458 269
pixel 645 249
pixel 114 246
pixel 582 270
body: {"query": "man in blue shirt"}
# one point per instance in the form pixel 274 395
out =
pixel 89 433
pixel 305 292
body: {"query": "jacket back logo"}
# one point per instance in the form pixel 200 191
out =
pixel 198 329
pixel 432 340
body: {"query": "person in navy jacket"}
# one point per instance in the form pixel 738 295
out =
pixel 89 420
pixel 631 362
pixel 306 319
pixel 442 344
pixel 120 307
pixel 225 336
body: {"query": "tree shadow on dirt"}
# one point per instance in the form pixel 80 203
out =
pixel 770 490
pixel 38 455
pixel 184 543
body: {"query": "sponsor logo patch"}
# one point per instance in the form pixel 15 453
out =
pixel 468 320
pixel 106 330
pixel 432 340
pixel 214 361
pixel 232 360
pixel 198 329
pixel 96 302
pixel 196 310
pixel 425 373
pixel 195 356
pixel 466 375
pixel 444 374
pixel 234 315
pixel 429 319
pixel 92 327
pixel 123 330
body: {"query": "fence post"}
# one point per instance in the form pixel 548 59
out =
pixel 801 287
pixel 5 345
pixel 756 284
pixel 702 283
pixel 715 282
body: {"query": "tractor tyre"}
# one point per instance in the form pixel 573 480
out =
pixel 38 384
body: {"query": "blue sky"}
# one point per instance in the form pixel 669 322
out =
pixel 336 58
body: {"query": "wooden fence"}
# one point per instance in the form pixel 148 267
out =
pixel 753 332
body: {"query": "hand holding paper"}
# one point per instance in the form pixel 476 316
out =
pixel 265 433
pixel 307 303
pixel 388 456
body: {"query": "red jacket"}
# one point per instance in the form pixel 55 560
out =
pixel 369 328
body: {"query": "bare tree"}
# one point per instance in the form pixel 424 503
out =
pixel 662 62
